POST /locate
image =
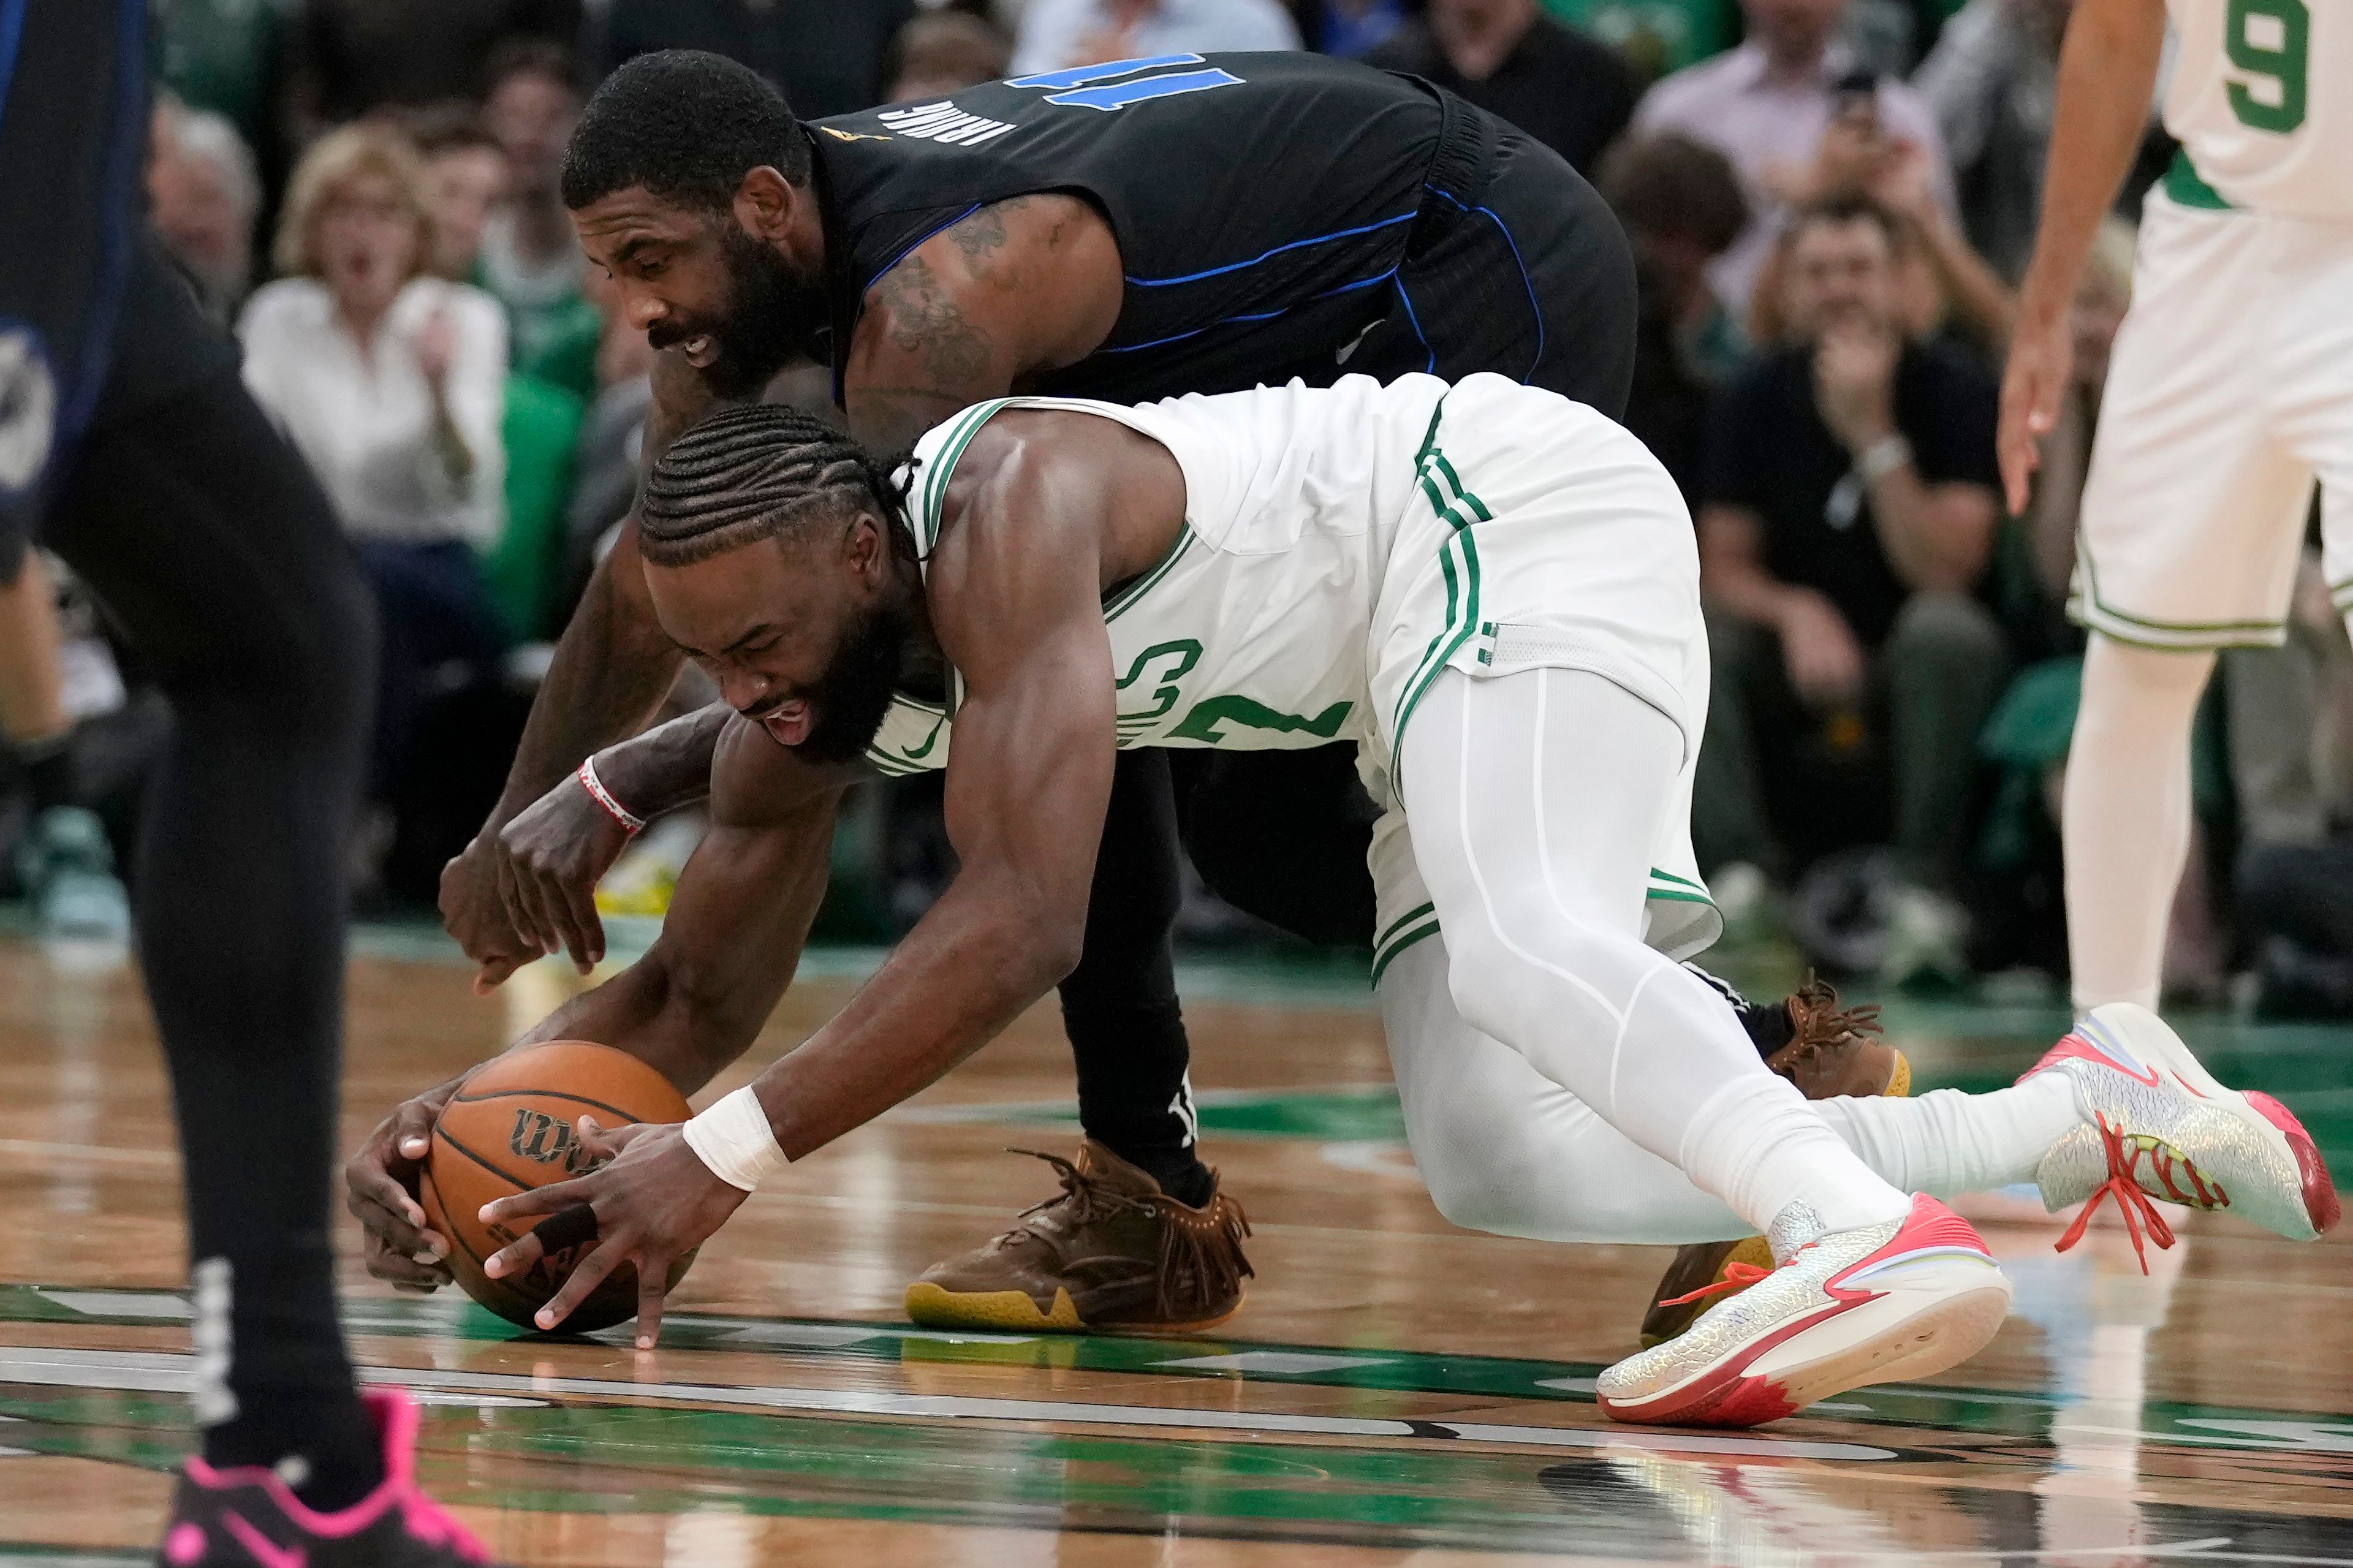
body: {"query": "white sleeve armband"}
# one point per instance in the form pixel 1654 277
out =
pixel 734 1139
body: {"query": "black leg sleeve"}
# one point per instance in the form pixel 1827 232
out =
pixel 210 542
pixel 1127 1033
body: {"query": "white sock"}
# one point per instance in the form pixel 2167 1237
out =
pixel 1947 1142
pixel 2124 816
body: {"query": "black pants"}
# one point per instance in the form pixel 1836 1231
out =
pixel 205 538
pixel 1521 271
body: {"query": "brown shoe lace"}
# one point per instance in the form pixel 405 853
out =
pixel 1202 1247
pixel 1817 1021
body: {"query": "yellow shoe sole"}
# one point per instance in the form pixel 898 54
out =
pixel 1011 1310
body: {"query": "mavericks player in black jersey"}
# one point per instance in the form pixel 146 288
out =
pixel 129 447
pixel 1138 229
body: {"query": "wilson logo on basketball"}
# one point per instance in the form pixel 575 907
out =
pixel 545 1138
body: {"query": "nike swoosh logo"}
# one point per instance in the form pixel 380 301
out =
pixel 266 1553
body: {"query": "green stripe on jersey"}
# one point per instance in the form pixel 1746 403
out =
pixel 935 484
pixel 1125 600
pixel 1388 955
pixel 2185 185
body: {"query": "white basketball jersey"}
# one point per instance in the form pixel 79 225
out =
pixel 2262 100
pixel 1251 632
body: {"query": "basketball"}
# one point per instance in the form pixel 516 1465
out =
pixel 510 1129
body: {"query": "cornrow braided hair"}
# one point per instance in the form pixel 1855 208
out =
pixel 751 473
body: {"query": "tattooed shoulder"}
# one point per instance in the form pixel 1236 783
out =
pixel 924 319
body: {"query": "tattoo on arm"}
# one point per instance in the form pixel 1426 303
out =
pixel 927 322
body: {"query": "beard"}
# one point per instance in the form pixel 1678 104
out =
pixel 855 695
pixel 772 314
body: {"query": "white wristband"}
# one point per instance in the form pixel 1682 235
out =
pixel 734 1139
pixel 631 823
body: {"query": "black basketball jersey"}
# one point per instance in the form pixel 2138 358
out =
pixel 1261 202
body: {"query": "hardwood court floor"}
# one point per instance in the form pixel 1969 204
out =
pixel 1396 1391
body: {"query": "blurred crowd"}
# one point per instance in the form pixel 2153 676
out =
pixel 1829 200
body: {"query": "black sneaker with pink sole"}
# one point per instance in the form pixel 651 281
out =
pixel 249 1519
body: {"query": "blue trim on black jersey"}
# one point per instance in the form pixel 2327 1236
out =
pixel 1525 281
pixel 1294 245
pixel 1432 368
pixel 1254 316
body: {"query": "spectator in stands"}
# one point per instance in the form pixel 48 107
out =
pixel 231 57
pixel 469 170
pixel 1993 81
pixel 1568 89
pixel 1847 515
pixel 353 57
pixel 943 52
pixel 1056 34
pixel 1682 206
pixel 2291 744
pixel 828 56
pixel 1350 29
pixel 531 260
pixel 1943 284
pixel 203 196
pixel 388 381
pixel 1657 36
pixel 1766 104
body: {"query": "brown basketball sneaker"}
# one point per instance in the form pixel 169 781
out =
pixel 1828 1051
pixel 1113 1251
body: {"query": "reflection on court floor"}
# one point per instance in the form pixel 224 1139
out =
pixel 1394 1392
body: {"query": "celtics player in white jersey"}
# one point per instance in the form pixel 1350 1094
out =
pixel 2229 394
pixel 1494 591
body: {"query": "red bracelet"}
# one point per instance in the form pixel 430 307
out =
pixel 630 823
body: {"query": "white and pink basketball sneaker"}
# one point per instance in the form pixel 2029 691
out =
pixel 1879 1303
pixel 2158 1125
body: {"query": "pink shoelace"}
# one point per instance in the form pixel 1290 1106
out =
pixel 2140 1214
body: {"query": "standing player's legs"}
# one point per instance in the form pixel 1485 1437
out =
pixel 206 539
pixel 2192 518
pixel 1119 1006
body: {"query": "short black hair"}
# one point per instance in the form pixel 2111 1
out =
pixel 756 472
pixel 687 126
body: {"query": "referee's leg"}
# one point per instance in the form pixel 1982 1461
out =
pixel 209 540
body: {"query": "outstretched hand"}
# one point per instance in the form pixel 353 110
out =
pixel 655 1202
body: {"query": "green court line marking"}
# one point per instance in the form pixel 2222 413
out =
pixel 1372 1369
pixel 1626 1499
pixel 168 1371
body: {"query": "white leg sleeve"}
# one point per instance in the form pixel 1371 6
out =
pixel 1505 1149
pixel 1533 800
pixel 2124 816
